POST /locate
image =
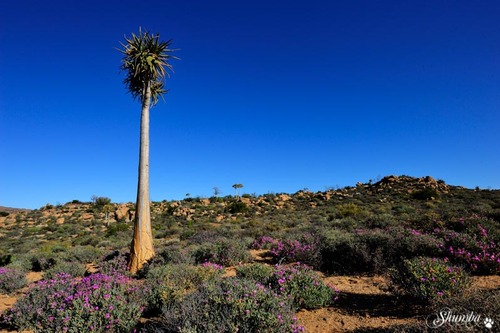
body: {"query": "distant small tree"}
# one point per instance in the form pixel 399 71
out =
pixel 107 209
pixel 216 191
pixel 237 189
pixel 102 204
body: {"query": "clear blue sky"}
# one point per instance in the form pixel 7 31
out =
pixel 276 95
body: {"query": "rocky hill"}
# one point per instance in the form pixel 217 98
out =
pixel 188 208
pixel 388 188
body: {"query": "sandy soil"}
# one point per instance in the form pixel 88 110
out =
pixel 363 303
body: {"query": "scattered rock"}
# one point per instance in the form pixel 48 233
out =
pixel 184 211
pixel 91 269
pixel 283 197
pixel 87 216
pixel 123 213
pixel 246 200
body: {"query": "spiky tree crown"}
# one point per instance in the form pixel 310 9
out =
pixel 145 61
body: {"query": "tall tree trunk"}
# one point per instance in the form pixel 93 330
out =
pixel 142 244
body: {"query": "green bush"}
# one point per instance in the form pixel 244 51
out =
pixel 86 240
pixel 116 228
pixel 171 283
pixel 222 252
pixel 237 207
pixel 373 250
pixel 351 210
pixel 256 272
pixel 429 278
pixel 386 247
pixel 21 262
pixel 171 254
pixel 43 261
pixel 425 194
pixel 11 279
pixel 84 254
pixel 343 253
pixel 5 259
pixel 494 214
pixel 380 221
pixel 101 201
pixel 74 269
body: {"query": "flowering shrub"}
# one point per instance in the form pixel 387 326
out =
pixel 303 286
pixel 290 251
pixel 222 252
pixel 211 267
pixel 263 243
pixel 429 278
pixel 97 303
pixel 115 263
pixel 299 283
pixel 11 279
pixel 232 305
pixel 378 249
pixel 478 252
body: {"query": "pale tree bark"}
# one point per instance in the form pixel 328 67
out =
pixel 142 244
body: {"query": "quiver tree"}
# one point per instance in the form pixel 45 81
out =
pixel 145 61
pixel 237 189
pixel 107 209
pixel 216 192
pixel 102 205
